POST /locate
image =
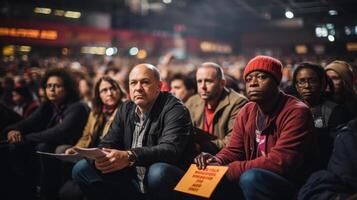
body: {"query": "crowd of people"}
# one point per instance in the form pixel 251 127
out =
pixel 285 130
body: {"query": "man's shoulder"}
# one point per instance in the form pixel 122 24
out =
pixel 293 106
pixel 78 104
pixel 194 100
pixel 127 105
pixel 236 97
pixel 165 100
pixel 293 102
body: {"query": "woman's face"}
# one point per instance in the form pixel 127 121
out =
pixel 55 91
pixel 17 98
pixel 84 88
pixel 308 85
pixel 109 95
pixel 336 79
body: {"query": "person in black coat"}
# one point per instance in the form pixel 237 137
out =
pixel 339 181
pixel 147 147
pixel 7 117
pixel 312 83
pixel 58 120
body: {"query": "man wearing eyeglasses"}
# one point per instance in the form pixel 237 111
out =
pixel 272 144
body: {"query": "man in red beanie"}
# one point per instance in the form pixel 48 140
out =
pixel 272 144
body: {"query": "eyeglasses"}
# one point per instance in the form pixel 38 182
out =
pixel 53 85
pixel 311 81
pixel 106 90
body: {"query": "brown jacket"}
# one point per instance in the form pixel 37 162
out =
pixel 91 129
pixel 224 115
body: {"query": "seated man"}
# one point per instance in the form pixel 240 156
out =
pixel 183 86
pixel 215 107
pixel 272 145
pixel 148 140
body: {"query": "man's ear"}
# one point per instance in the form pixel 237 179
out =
pixel 223 82
pixel 160 85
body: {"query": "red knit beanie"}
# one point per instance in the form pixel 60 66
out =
pixel 266 64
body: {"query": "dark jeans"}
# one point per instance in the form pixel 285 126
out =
pixel 264 184
pixel 256 184
pixel 27 169
pixel 161 180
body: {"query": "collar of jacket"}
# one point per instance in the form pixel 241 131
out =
pixel 223 101
pixel 270 124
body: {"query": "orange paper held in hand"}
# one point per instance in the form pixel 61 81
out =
pixel 201 182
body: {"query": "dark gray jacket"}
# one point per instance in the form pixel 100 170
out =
pixel 41 126
pixel 167 137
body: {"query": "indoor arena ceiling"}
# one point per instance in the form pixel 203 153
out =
pixel 214 16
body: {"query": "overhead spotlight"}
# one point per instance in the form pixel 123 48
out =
pixel 332 12
pixel 167 1
pixel 331 38
pixel 289 14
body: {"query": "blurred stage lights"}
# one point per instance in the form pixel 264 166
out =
pixel 289 14
pixel 72 14
pixel 133 51
pixel 332 12
pixel 40 10
pixel 111 51
pixel 167 1
pixel 64 13
pixel 59 12
pixel 331 38
pixel 142 54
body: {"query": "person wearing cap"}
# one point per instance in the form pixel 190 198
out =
pixel 342 77
pixel 214 108
pixel 272 145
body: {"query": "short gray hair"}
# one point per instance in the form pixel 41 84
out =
pixel 215 66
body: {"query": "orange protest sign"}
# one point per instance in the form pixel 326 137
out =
pixel 201 182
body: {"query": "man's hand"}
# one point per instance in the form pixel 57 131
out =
pixel 70 151
pixel 203 159
pixel 14 136
pixel 113 161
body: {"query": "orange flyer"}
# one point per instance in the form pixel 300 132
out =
pixel 201 182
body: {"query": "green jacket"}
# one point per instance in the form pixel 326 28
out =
pixel 224 115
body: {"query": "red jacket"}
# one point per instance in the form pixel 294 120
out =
pixel 290 142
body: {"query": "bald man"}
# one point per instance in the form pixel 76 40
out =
pixel 146 145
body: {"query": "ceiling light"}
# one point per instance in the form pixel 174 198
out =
pixel 72 14
pixel 289 14
pixel 45 11
pixel 332 12
pixel 331 38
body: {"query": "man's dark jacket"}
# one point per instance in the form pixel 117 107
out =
pixel 40 126
pixel 167 137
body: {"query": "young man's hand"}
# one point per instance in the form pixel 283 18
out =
pixel 203 159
